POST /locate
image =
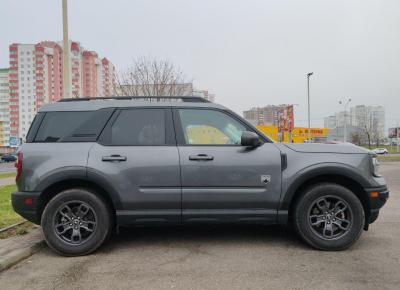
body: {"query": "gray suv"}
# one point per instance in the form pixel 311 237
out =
pixel 91 165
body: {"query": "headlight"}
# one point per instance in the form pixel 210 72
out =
pixel 375 166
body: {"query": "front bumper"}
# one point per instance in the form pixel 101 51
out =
pixel 27 205
pixel 377 199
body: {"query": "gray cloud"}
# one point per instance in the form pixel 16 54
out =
pixel 247 52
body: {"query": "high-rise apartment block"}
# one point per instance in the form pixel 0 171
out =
pixel 4 107
pixel 370 118
pixel 281 116
pixel 36 78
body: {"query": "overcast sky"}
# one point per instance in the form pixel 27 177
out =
pixel 249 53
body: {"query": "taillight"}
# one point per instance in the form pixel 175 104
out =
pixel 18 164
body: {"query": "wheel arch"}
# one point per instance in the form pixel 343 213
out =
pixel 69 182
pixel 343 176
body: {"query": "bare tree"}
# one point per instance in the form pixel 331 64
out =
pixel 367 129
pixel 370 131
pixel 356 138
pixel 152 77
pixel 367 134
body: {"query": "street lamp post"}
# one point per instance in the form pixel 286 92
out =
pixel 308 98
pixel 398 136
pixel 345 119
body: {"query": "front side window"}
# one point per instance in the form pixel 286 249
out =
pixel 141 127
pixel 210 127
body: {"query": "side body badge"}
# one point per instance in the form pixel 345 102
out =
pixel 265 179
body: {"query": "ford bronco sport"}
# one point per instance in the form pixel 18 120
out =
pixel 91 165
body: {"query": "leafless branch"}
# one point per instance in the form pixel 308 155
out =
pixel 152 77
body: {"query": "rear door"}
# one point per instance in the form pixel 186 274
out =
pixel 137 157
pixel 222 180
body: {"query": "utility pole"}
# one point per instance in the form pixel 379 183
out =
pixel 308 98
pixel 345 119
pixel 398 136
pixel 66 48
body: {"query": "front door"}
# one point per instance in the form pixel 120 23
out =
pixel 222 180
pixel 138 161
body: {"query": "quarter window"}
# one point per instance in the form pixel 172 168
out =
pixel 210 127
pixel 71 126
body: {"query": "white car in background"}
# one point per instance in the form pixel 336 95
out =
pixel 383 151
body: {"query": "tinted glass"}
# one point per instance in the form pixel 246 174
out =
pixel 34 127
pixel 72 126
pixel 210 127
pixel 139 127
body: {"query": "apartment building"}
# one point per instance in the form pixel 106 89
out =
pixel 106 82
pixel 281 116
pixel 36 78
pixel 371 118
pixel 330 122
pixel 4 107
pixel 205 95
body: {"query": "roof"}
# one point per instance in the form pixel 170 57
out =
pixel 91 104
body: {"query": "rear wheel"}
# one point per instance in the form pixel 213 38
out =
pixel 329 217
pixel 76 222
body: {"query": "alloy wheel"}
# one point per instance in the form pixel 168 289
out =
pixel 330 217
pixel 75 222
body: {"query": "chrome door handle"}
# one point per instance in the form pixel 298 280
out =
pixel 114 158
pixel 201 157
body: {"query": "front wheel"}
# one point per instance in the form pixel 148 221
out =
pixel 76 222
pixel 329 217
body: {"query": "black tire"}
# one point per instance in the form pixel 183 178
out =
pixel 317 224
pixel 94 226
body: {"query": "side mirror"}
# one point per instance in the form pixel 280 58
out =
pixel 250 139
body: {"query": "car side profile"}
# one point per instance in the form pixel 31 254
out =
pixel 89 166
pixel 8 158
pixel 380 151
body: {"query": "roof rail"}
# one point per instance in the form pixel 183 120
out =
pixel 189 99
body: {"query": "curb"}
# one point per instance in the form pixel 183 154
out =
pixel 12 226
pixel 18 255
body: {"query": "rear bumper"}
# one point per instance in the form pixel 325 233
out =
pixel 27 205
pixel 376 201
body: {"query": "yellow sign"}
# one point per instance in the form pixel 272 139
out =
pixel 298 134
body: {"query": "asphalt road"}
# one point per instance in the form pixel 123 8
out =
pixel 246 257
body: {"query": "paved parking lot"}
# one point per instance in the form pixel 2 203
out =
pixel 246 257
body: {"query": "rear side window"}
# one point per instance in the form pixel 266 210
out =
pixel 77 126
pixel 140 127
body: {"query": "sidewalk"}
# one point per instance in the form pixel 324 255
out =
pixel 17 248
pixel 7 181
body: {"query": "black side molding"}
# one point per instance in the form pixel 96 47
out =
pixel 283 161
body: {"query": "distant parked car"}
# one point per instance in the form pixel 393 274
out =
pixel 9 158
pixel 380 151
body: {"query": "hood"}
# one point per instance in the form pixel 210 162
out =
pixel 327 148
